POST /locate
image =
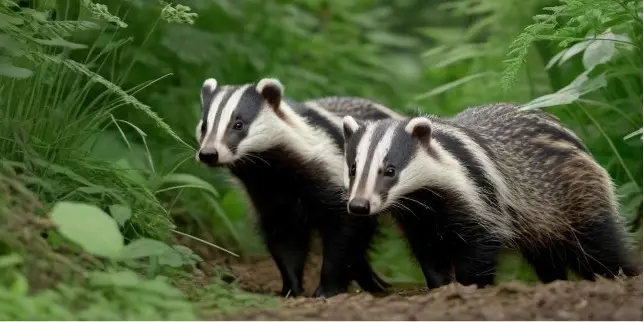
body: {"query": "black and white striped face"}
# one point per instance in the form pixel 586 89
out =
pixel 237 120
pixel 381 161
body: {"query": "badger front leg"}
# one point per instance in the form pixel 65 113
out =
pixel 287 240
pixel 346 240
pixel 475 263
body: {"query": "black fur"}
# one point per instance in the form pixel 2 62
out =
pixel 450 244
pixel 447 243
pixel 293 199
pixel 444 239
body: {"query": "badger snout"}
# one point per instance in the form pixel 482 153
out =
pixel 359 206
pixel 209 157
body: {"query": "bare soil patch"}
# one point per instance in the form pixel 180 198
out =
pixel 619 299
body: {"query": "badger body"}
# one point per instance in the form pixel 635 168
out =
pixel 288 158
pixel 492 177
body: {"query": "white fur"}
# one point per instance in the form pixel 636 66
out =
pixel 349 122
pixel 261 85
pixel 377 164
pixel 345 171
pixel 448 174
pixel 208 140
pixel 309 142
pixel 416 121
pixel 361 158
pixel 225 155
pixel 211 83
pixel 492 173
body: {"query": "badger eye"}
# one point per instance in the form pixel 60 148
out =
pixel 352 171
pixel 238 125
pixel 390 171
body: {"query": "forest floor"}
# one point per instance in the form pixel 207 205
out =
pixel 619 299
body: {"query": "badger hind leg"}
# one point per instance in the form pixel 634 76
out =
pixel 549 263
pixel 599 247
pixel 475 262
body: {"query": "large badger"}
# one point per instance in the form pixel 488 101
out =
pixel 494 176
pixel 288 157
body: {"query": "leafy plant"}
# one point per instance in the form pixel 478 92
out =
pixel 98 233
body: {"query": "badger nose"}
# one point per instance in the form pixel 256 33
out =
pixel 359 206
pixel 209 157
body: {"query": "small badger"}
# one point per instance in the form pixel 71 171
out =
pixel 493 176
pixel 288 157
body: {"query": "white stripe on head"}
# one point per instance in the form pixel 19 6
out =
pixel 361 157
pixel 225 155
pixel 379 154
pixel 212 112
pixel 228 110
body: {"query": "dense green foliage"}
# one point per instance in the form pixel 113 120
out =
pixel 99 102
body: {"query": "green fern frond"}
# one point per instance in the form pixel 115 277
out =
pixel 581 17
pixel 519 50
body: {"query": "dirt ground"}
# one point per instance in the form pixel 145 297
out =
pixel 563 300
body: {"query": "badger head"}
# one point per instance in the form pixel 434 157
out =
pixel 238 120
pixel 382 161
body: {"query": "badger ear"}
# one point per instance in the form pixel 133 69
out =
pixel 271 90
pixel 350 126
pixel 421 129
pixel 208 87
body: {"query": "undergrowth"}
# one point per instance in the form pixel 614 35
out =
pixel 98 106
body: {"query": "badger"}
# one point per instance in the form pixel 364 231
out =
pixel 492 177
pixel 288 158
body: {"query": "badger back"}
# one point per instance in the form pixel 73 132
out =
pixel 357 107
pixel 554 182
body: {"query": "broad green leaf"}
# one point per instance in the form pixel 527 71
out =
pixel 126 279
pixel 121 213
pixel 187 254
pixel 5 20
pixel 14 71
pixel 89 227
pixel 554 99
pixel 569 94
pixel 573 50
pixel 555 59
pixel 598 52
pixel 144 247
pixel 171 258
pixel 10 46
